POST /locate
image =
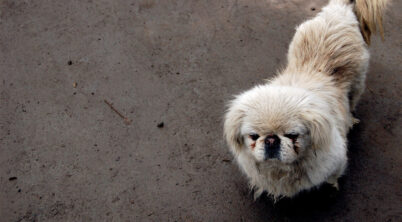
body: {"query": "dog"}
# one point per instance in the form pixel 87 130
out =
pixel 290 133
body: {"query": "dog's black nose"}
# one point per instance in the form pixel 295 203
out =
pixel 272 140
pixel 272 146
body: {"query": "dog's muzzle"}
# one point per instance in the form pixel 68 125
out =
pixel 272 147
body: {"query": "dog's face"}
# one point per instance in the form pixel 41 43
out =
pixel 277 124
pixel 268 142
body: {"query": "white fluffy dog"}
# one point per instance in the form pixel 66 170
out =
pixel 290 134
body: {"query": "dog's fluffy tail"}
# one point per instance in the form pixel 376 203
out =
pixel 369 13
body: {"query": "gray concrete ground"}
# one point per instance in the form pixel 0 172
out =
pixel 65 155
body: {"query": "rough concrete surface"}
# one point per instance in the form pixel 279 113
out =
pixel 65 155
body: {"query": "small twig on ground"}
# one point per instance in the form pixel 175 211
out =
pixel 126 120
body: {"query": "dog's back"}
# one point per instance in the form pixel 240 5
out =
pixel 335 42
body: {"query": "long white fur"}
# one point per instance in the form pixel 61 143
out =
pixel 313 97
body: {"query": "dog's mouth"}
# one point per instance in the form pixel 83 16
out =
pixel 272 156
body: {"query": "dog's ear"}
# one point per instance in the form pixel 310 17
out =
pixel 320 128
pixel 233 121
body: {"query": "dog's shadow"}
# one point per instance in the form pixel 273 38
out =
pixel 307 205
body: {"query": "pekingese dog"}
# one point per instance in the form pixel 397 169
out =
pixel 289 134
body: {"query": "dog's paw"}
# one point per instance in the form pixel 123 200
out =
pixel 333 181
pixel 335 185
pixel 355 120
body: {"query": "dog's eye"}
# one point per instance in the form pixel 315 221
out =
pixel 292 136
pixel 254 136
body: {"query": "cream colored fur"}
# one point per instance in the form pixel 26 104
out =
pixel 312 97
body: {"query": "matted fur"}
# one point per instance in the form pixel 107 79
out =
pixel 369 14
pixel 312 97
